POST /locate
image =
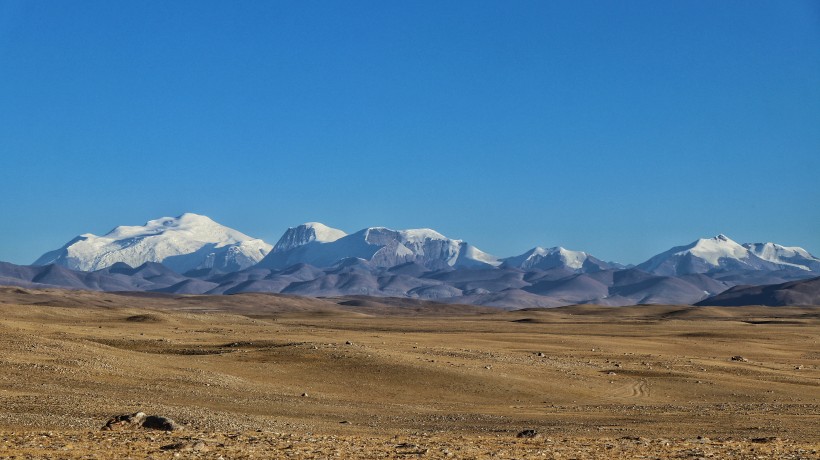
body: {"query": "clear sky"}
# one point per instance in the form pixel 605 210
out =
pixel 617 128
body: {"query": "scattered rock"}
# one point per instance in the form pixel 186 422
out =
pixel 147 318
pixel 416 450
pixel 156 422
pixel 527 434
pixel 191 445
pixel 633 438
pixel 125 421
pixel 764 440
pixel 739 358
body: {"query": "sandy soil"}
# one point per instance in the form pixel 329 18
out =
pixel 256 376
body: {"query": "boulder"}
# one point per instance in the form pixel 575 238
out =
pixel 156 422
pixel 140 420
pixel 125 421
pixel 527 434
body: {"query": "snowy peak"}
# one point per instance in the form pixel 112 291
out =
pixel 713 249
pixel 701 256
pixel 420 234
pixel 380 246
pixel 709 255
pixel 182 243
pixel 572 259
pixel 185 222
pixel 426 247
pixel 556 257
pixel 784 255
pixel 546 258
pixel 307 233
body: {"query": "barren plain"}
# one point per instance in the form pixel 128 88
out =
pixel 268 376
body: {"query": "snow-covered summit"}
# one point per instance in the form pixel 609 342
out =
pixel 420 234
pixel 423 246
pixel 713 249
pixel 784 255
pixel 700 256
pixel 381 246
pixel 182 243
pixel 546 258
pixel 720 253
pixel 307 233
pixel 186 222
pixel 555 257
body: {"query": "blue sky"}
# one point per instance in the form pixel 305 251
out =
pixel 617 128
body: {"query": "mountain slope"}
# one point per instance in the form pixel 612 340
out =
pixel 802 292
pixel 182 243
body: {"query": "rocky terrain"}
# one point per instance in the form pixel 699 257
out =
pixel 261 376
pixel 263 445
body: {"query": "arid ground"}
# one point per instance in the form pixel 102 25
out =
pixel 261 376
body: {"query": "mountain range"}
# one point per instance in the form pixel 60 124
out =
pixel 192 254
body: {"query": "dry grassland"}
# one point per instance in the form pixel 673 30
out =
pixel 258 376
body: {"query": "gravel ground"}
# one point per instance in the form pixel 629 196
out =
pixel 261 445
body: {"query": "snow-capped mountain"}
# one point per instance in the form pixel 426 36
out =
pixel 784 255
pixel 557 257
pixel 182 243
pixel 708 255
pixel 192 254
pixel 381 247
pixel 306 233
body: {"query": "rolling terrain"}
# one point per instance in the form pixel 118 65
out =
pixel 256 375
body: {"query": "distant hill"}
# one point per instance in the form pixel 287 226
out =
pixel 803 292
